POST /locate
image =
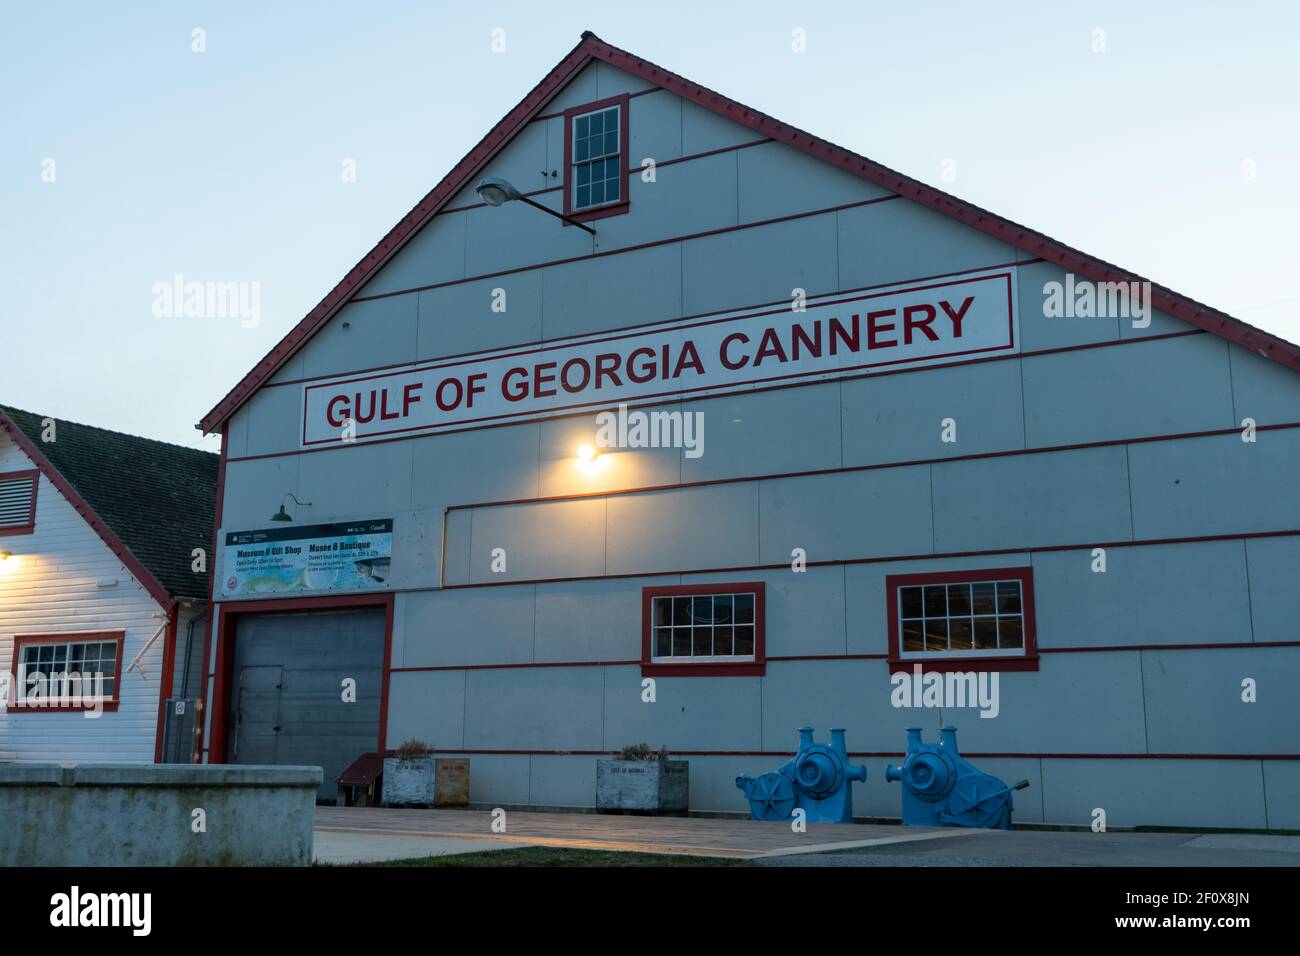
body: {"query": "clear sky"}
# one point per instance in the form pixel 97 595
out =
pixel 1174 152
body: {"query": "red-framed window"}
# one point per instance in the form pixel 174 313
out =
pixel 703 630
pixel 596 159
pixel 62 672
pixel 18 501
pixel 962 620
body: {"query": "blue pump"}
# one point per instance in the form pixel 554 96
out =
pixel 941 789
pixel 816 780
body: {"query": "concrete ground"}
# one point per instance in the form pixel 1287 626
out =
pixel 345 835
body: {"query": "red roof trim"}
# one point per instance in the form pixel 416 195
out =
pixel 591 47
pixel 123 553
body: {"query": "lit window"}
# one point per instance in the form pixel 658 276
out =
pixel 692 625
pixel 978 615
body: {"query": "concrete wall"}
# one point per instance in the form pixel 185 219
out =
pixel 115 815
pixel 1095 433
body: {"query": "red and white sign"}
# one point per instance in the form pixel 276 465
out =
pixel 831 337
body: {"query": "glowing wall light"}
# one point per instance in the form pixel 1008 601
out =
pixel 590 461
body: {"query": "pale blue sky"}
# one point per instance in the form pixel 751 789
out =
pixel 226 165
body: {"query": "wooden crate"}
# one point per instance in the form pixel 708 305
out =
pixel 451 782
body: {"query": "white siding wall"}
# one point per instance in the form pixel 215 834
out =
pixel 709 234
pixel 49 586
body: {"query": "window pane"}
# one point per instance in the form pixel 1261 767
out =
pixel 611 118
pixel 982 599
pixel 663 611
pixel 744 640
pixel 913 636
pixel 986 632
pixel 703 642
pixel 597 123
pixel 580 152
pixel 611 190
pixel 910 601
pixel 597 193
pixel 958 600
pixel 722 641
pixel 744 604
pixel 936 603
pixel 581 125
pixel 663 642
pixel 108 686
pixel 1008 597
pixel 961 634
pixel 584 197
pixel 1011 632
pixel 681 611
pixel 611 143
pixel 936 634
pixel 681 642
pixel 722 609
pixel 584 175
pixel 702 610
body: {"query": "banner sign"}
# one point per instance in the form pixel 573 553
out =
pixel 924 323
pixel 321 557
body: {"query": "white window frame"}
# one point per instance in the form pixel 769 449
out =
pixel 575 163
pixel 961 653
pixel 20 691
pixel 704 658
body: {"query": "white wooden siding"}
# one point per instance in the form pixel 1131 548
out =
pixel 50 586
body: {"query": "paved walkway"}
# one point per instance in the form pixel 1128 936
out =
pixel 347 835
pixel 378 834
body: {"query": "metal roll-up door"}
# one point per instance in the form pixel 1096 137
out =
pixel 288 703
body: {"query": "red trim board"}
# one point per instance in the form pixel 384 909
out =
pixel 755 668
pixel 24 640
pixel 954 661
pixel 608 209
pixel 592 48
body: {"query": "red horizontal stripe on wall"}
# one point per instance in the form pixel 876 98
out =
pixel 873 753
pixel 884 559
pixel 1241 645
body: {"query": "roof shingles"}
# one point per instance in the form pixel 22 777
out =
pixel 157 498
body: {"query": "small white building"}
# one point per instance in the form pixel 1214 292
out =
pixel 101 608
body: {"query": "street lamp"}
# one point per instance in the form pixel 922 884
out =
pixel 496 192
pixel 283 515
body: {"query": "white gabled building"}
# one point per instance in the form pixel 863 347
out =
pixel 97 531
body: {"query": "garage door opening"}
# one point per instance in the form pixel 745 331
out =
pixel 291 694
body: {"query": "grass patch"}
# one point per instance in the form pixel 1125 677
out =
pixel 559 856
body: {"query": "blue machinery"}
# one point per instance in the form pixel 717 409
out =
pixel 940 788
pixel 816 781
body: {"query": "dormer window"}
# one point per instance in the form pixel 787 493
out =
pixel 596 148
